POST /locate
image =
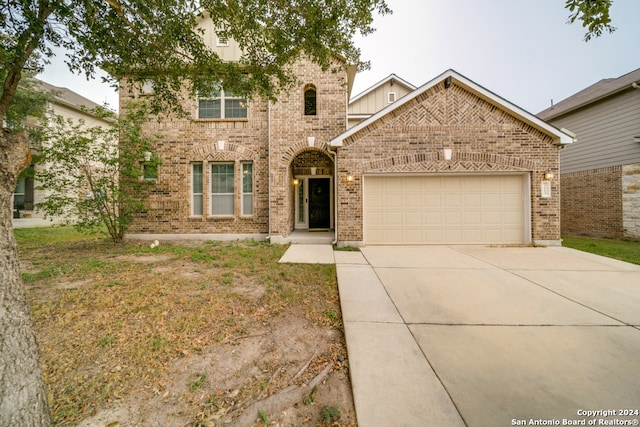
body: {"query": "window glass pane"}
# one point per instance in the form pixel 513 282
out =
pixel 222 204
pixel 222 178
pixel 209 108
pixel 196 188
pixel 247 204
pixel 247 178
pixel 197 204
pixel 20 187
pixel 301 201
pixel 235 108
pixel 247 189
pixel 310 102
pixel 197 178
pixel 149 171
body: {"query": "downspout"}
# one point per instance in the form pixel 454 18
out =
pixel 268 170
pixel 635 85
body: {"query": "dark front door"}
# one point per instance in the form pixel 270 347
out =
pixel 319 203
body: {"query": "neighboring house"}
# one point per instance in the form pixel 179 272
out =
pixel 69 105
pixel 370 101
pixel 600 174
pixel 447 163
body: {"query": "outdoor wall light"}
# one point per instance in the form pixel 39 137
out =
pixel 349 178
pixel 548 175
pixel 295 181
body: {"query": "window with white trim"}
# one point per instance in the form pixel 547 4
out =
pixel 222 189
pixel 222 105
pixel 196 190
pixel 247 189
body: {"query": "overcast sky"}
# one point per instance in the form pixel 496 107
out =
pixel 522 50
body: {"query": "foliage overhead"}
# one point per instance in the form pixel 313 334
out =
pixel 102 186
pixel 158 40
pixel 594 15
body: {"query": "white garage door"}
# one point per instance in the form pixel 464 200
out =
pixel 465 209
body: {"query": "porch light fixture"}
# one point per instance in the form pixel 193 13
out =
pixel 447 153
pixel 295 181
pixel 548 175
pixel 349 178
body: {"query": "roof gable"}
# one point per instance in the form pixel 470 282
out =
pixel 391 78
pixel 597 91
pixel 446 79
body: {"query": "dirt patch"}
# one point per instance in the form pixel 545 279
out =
pixel 271 367
pixel 189 335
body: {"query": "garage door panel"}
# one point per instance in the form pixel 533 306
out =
pixel 433 218
pixel 452 200
pixel 432 200
pixel 412 200
pixel 470 209
pixel 393 219
pixel 472 218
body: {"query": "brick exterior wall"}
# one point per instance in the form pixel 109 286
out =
pixel 592 202
pixel 291 130
pixel 273 137
pixel 483 138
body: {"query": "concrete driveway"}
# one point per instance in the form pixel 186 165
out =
pixel 479 336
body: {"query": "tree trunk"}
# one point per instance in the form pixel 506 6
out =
pixel 23 397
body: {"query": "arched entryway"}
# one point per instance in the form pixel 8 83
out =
pixel 313 196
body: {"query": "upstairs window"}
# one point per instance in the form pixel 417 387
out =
pixel 222 105
pixel 310 101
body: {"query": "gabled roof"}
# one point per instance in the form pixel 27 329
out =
pixel 564 138
pixel 67 97
pixel 597 91
pixel 391 78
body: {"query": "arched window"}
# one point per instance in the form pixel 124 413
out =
pixel 310 100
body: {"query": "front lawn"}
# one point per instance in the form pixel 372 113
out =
pixel 181 334
pixel 624 250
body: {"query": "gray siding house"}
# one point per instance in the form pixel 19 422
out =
pixel 600 173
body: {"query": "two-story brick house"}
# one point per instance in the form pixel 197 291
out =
pixel 448 162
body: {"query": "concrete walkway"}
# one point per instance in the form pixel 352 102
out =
pixel 477 336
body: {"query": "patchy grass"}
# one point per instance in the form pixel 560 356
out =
pixel 110 319
pixel 624 250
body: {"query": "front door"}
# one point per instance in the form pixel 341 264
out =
pixel 320 203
